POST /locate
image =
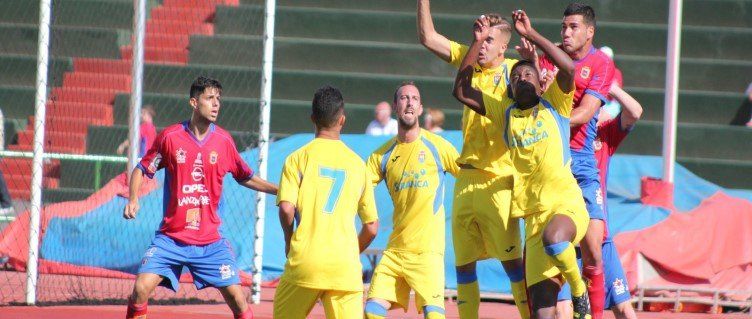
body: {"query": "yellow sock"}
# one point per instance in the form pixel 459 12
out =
pixel 519 291
pixel 564 257
pixel 468 300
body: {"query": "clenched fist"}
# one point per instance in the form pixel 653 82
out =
pixel 131 209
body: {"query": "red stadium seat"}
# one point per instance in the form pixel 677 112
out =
pixel 82 95
pixel 101 66
pixel 116 82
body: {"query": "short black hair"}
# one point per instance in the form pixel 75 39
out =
pixel 201 84
pixel 327 106
pixel 523 63
pixel 586 11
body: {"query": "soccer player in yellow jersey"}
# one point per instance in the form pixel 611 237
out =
pixel 536 130
pixel 481 225
pixel 413 166
pixel 323 185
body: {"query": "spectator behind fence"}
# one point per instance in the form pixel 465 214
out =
pixel 434 120
pixel 147 132
pixel 6 205
pixel 744 113
pixel 383 123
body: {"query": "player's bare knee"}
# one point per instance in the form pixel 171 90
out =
pixel 141 291
pixel 592 254
pixel 545 313
pixel 560 228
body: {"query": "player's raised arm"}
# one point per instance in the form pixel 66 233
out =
pixel 560 58
pixel 463 89
pixel 258 184
pixel 429 38
pixel 631 110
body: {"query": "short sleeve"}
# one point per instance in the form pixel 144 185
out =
pixel 238 167
pixel 560 101
pixel 449 157
pixel 457 52
pixel 600 80
pixel 375 175
pixel 367 203
pixel 151 162
pixel 289 182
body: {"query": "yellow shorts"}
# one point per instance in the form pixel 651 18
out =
pixel 538 265
pixel 481 225
pixel 292 301
pixel 399 272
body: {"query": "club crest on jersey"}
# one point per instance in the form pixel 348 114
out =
pixel 213 156
pixel 180 156
pixel 619 287
pixel 585 72
pixel 597 144
pixel 422 157
pixel 497 78
pixel 226 272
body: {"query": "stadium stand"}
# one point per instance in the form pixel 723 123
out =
pixel 364 47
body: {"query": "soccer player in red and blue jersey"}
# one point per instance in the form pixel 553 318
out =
pixel 611 132
pixel 196 155
pixel 594 73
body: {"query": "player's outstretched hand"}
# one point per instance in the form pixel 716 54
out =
pixel 481 28
pixel 522 23
pixel 527 51
pixel 130 210
pixel 547 78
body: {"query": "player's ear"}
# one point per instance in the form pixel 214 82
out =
pixel 193 102
pixel 591 31
pixel 341 121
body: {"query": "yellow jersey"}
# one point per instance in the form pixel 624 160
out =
pixel 483 144
pixel 414 173
pixel 328 183
pixel 538 141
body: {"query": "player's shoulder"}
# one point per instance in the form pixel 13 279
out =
pixel 598 58
pixel 510 62
pixel 384 148
pixel 221 132
pixel 352 157
pixel 169 131
pixel 435 139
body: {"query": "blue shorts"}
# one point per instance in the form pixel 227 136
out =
pixel 617 290
pixel 211 265
pixel 585 171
